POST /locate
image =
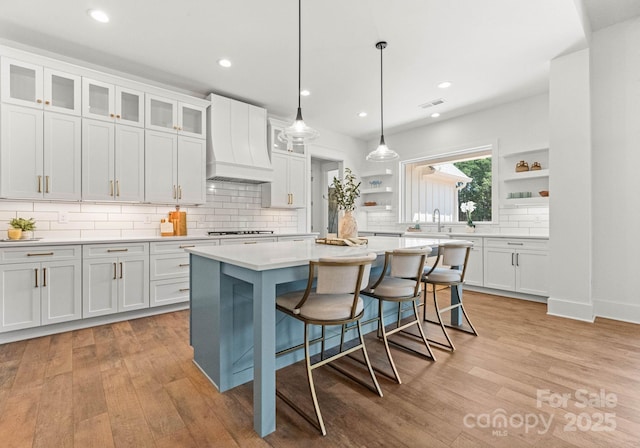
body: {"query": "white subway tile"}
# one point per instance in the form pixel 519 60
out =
pixel 16 206
pixel 101 208
pixel 101 233
pixel 56 207
pixel 113 225
pixel 76 225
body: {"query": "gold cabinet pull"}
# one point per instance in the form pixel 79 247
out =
pixel 184 247
pixel 112 115
pixel 118 188
pixel 41 254
pixel 46 183
pixel 184 289
pixel 250 242
pixel 118 250
pixel 184 265
pixel 44 276
pixel 179 191
pixel 36 271
pixel 175 127
pixel 115 271
pixel 47 102
pixel 110 188
pixel 291 198
pixel 39 101
pixel 121 270
pixel 118 116
pixel 39 184
pixel 174 192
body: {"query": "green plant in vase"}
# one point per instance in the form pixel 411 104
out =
pixel 25 227
pixel 346 193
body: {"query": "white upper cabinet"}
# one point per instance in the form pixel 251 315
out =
pixel 164 114
pixel 40 154
pixel 108 102
pixel 32 85
pixel 275 129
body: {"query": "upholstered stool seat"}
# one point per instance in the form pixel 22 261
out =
pixel 400 282
pixel 448 270
pixel 335 300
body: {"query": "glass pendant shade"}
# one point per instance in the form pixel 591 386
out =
pixel 299 132
pixel 382 153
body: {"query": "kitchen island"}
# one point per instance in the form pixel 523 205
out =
pixel 234 328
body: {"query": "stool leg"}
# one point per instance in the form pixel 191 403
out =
pixel 368 362
pixel 444 330
pixel 473 329
pixel 381 328
pixel 312 388
pixel 420 329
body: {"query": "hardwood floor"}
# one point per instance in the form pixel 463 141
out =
pixel 132 384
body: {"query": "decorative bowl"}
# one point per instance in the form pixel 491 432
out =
pixel 544 193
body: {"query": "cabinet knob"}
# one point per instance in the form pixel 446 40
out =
pixel 175 127
pixel 39 101
pixel 118 116
pixel 112 115
pixel 47 102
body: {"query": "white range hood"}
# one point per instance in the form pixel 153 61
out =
pixel 237 142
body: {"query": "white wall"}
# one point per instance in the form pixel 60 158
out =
pixel 570 187
pixel 615 69
pixel 517 126
pixel 229 206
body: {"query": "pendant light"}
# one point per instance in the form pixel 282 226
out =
pixel 382 153
pixel 298 132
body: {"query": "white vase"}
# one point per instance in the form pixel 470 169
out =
pixel 347 225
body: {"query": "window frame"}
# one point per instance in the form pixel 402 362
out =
pixel 452 155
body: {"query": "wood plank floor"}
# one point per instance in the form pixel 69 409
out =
pixel 132 384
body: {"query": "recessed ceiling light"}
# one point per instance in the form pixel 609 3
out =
pixel 435 115
pixel 99 15
pixel 444 85
pixel 305 92
pixel 362 114
pixel 226 63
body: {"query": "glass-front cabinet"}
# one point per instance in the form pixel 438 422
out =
pixel 32 85
pixel 164 114
pixel 108 102
pixel 275 144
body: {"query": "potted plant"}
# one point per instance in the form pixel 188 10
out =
pixel 22 228
pixel 346 193
pixel 468 208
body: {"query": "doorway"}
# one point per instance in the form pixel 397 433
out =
pixel 324 210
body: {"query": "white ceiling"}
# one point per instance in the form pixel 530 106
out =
pixel 492 50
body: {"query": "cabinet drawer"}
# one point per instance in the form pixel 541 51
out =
pixel 169 266
pixel 164 292
pixel 247 241
pixel 517 243
pixel 178 247
pixel 39 253
pixel 115 250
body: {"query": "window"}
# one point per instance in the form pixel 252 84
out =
pixel 444 182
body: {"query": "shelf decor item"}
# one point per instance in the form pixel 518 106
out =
pixel 346 192
pixel 468 208
pixel 544 193
pixel 535 166
pixel 522 166
pixel 21 228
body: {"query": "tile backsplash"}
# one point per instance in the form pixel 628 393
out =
pixel 229 205
pixel 520 221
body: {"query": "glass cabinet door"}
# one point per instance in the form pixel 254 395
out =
pixel 22 83
pixel 129 107
pixel 161 114
pixel 61 92
pixel 191 120
pixel 98 100
pixel 278 145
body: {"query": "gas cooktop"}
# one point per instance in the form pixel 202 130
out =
pixel 239 232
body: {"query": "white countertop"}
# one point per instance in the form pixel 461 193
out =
pixel 474 234
pixel 287 254
pixel 118 240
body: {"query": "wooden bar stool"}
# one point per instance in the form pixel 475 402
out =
pixel 335 301
pixel 448 270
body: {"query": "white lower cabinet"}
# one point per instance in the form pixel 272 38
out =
pixel 474 275
pixel 169 270
pixel 519 265
pixel 115 278
pixel 39 286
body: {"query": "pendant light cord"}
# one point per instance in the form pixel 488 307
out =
pixel 299 50
pixel 381 98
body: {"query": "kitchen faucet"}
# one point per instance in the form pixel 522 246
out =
pixel 434 219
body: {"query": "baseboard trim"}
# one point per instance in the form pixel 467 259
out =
pixel 624 312
pixel 570 310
